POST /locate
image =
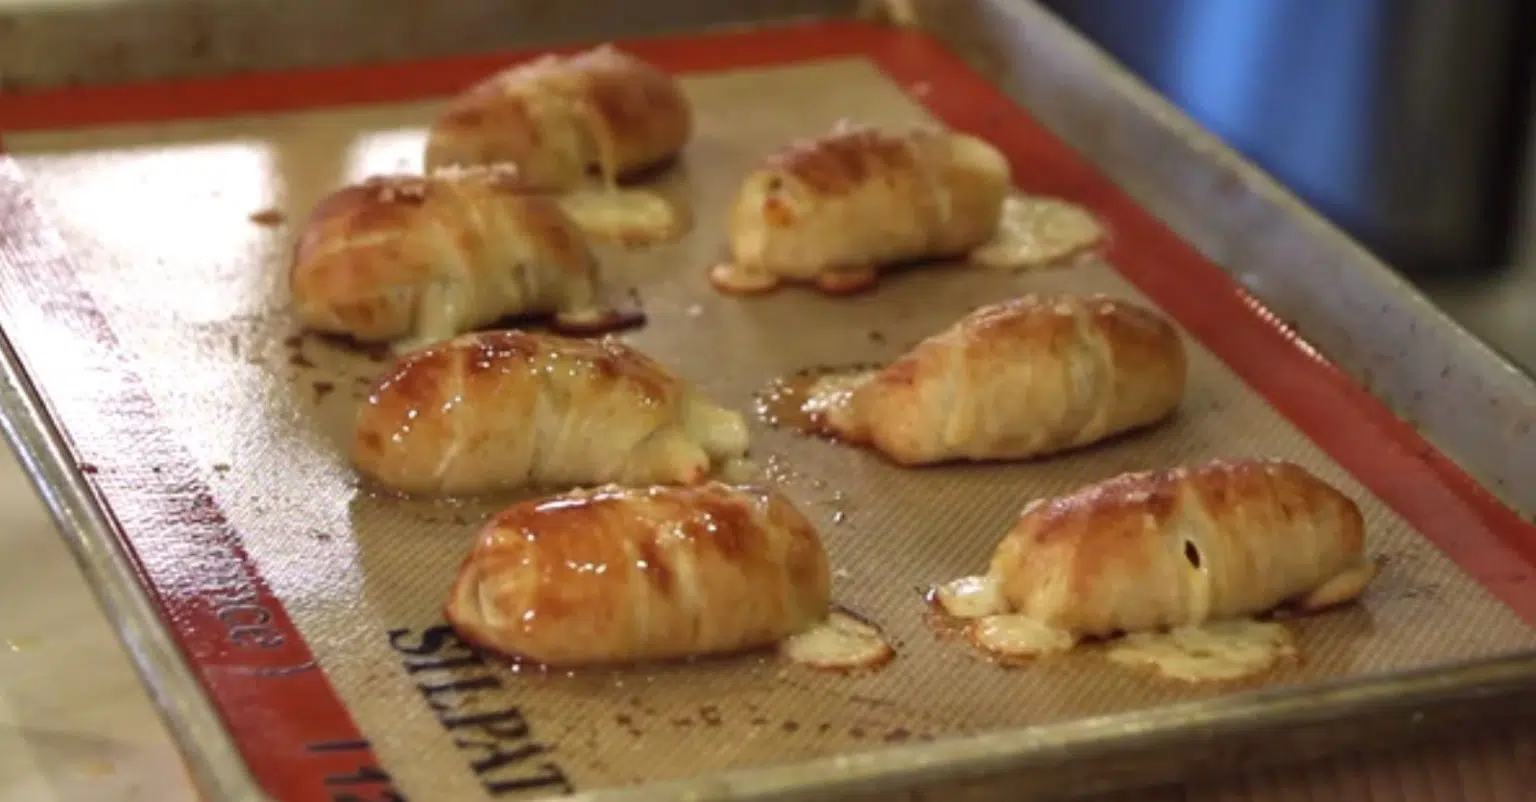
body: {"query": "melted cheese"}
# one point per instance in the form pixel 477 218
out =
pixel 840 643
pixel 970 597
pixel 1038 232
pixel 735 279
pixel 1215 652
pixel 623 215
pixel 741 471
pixel 1199 587
pixel 592 315
pixel 1019 636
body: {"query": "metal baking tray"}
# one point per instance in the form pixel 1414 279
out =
pixel 183 434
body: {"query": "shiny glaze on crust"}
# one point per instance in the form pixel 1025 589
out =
pixel 618 575
pixel 383 205
pixel 1255 534
pixel 365 260
pixel 412 393
pixel 1123 507
pixel 501 410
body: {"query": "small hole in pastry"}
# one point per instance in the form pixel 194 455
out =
pixel 1192 554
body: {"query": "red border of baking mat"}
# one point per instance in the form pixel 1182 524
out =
pixel 272 715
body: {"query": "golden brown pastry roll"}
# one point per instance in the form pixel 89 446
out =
pixel 1179 548
pixel 835 209
pixel 1013 380
pixel 618 575
pixel 560 119
pixel 415 260
pixel 498 410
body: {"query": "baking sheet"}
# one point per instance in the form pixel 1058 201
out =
pixel 159 218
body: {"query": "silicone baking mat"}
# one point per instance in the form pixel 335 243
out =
pixel 155 323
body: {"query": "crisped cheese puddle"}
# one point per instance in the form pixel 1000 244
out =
pixel 625 215
pixel 1037 232
pixel 829 398
pixel 1018 636
pixel 840 643
pixel 1213 652
pixel 970 597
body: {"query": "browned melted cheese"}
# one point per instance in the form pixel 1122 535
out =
pixel 1039 232
pixel 1218 651
pixel 628 216
pixel 1018 637
pixel 733 279
pixel 969 597
pixel 840 643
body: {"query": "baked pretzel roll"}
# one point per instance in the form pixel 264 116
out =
pixel 618 575
pixel 834 210
pixel 499 410
pixel 415 260
pixel 1013 380
pixel 1153 551
pixel 563 119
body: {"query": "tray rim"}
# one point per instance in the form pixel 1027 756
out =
pixel 46 455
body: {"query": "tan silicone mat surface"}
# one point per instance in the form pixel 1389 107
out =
pixel 159 215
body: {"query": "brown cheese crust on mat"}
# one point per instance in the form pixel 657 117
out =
pixel 505 409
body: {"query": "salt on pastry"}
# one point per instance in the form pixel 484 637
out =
pixel 498 410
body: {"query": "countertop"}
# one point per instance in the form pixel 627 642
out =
pixel 74 722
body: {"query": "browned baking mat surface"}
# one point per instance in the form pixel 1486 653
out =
pixel 161 217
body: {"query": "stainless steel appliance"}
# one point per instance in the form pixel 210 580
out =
pixel 1401 120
